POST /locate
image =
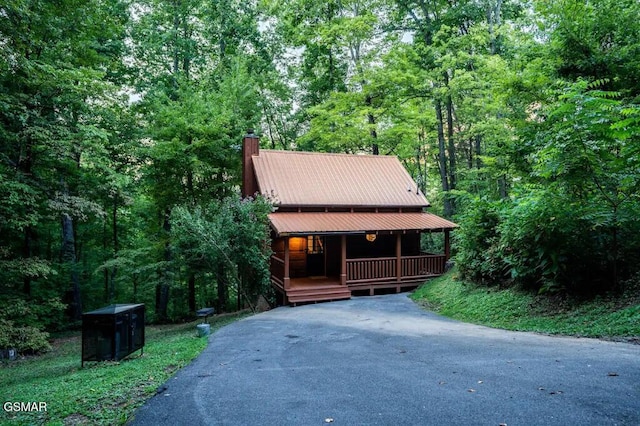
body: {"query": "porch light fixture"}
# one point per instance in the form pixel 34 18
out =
pixel 370 237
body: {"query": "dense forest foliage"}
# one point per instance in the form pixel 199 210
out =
pixel 121 123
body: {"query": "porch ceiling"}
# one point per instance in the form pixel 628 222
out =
pixel 286 224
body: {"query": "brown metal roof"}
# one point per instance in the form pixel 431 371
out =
pixel 319 179
pixel 326 223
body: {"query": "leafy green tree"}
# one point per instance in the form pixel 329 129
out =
pixel 234 233
pixel 305 25
pixel 572 226
pixel 588 147
pixel 54 83
pixel 594 41
pixel 199 98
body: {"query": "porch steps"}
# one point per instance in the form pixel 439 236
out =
pixel 320 293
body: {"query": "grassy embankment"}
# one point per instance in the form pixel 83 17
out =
pixel 100 393
pixel 610 317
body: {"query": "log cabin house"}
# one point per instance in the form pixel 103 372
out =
pixel 343 223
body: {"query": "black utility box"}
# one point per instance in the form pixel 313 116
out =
pixel 112 333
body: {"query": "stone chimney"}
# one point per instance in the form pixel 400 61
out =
pixel 250 147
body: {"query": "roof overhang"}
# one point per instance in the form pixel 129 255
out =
pixel 296 224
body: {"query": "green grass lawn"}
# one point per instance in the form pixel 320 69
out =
pixel 615 318
pixel 100 393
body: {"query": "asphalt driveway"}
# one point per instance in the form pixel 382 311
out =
pixel 382 360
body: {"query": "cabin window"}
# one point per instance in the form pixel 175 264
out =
pixel 315 244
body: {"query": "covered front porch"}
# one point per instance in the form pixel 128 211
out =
pixel 322 267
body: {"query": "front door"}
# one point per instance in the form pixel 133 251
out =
pixel 315 256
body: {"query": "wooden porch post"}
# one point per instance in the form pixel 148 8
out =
pixel 447 245
pixel 399 256
pixel 398 260
pixel 343 260
pixel 286 278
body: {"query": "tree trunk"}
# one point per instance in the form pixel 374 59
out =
pixel 615 250
pixel 451 138
pixel 105 273
pixel 112 284
pixel 478 148
pixel 420 157
pixel 375 150
pixel 162 289
pixel 25 164
pixel 222 288
pixel 493 18
pixel 116 248
pixel 192 291
pixel 109 274
pixel 135 287
pixel 186 60
pixel 442 159
pixel 502 186
pixel 176 55
pixel 241 287
pixel 27 253
pixel 162 300
pixel 68 255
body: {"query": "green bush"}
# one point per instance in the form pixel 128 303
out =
pixel 477 242
pixel 541 240
pixel 22 323
pixel 25 339
pixel 536 241
pixel 41 313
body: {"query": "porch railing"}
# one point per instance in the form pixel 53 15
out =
pixel 423 266
pixel 385 269
pixel 380 269
pixel 277 270
pixel 371 270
